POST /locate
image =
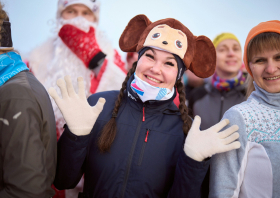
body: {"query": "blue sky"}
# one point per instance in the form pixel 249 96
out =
pixel 32 20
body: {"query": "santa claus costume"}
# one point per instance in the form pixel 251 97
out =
pixel 78 49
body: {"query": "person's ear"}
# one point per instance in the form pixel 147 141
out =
pixel 131 35
pixel 204 61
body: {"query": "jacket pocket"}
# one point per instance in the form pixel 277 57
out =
pixel 143 147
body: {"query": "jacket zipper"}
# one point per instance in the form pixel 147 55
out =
pixel 146 139
pixel 143 147
pixel 132 152
pixel 222 104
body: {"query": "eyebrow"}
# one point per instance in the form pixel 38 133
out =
pixel 181 33
pixel 223 46
pixel 257 57
pixel 171 57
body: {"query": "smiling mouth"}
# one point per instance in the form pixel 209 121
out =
pixel 231 62
pixel 272 78
pixel 152 79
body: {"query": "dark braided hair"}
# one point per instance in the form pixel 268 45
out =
pixel 109 131
pixel 187 122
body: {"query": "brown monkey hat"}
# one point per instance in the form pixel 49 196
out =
pixel 198 54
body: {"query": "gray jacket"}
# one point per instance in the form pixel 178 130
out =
pixel 27 139
pixel 254 169
pixel 210 104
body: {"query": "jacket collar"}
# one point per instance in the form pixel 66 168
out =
pixel 11 65
pixel 165 106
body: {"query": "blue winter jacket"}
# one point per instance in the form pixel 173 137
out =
pixel 146 158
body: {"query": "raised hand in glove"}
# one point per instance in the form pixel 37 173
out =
pixel 78 114
pixel 200 145
pixel 83 44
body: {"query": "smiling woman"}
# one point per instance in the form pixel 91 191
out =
pixel 264 62
pixel 255 168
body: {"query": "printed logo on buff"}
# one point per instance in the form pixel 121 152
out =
pixel 161 93
pixel 136 88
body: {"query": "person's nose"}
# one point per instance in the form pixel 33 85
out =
pixel 272 66
pixel 79 14
pixel 156 68
pixel 231 52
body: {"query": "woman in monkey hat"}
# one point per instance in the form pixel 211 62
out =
pixel 141 145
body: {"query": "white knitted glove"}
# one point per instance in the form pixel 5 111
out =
pixel 202 144
pixel 78 114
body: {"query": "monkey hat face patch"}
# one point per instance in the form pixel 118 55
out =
pixel 168 39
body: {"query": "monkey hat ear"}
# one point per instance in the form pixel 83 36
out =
pixel 204 60
pixel 131 35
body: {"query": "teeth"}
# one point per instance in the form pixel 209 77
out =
pixel 273 78
pixel 153 79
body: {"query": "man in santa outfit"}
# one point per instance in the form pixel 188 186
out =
pixel 78 49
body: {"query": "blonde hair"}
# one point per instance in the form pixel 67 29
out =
pixel 249 86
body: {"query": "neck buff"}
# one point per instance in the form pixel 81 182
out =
pixel 228 84
pixel 10 65
pixel 146 92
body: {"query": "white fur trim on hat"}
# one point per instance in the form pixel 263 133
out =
pixel 93 5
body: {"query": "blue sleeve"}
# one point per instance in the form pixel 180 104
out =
pixel 189 175
pixel 71 154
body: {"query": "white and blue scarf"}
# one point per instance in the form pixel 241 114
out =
pixel 146 92
pixel 10 65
